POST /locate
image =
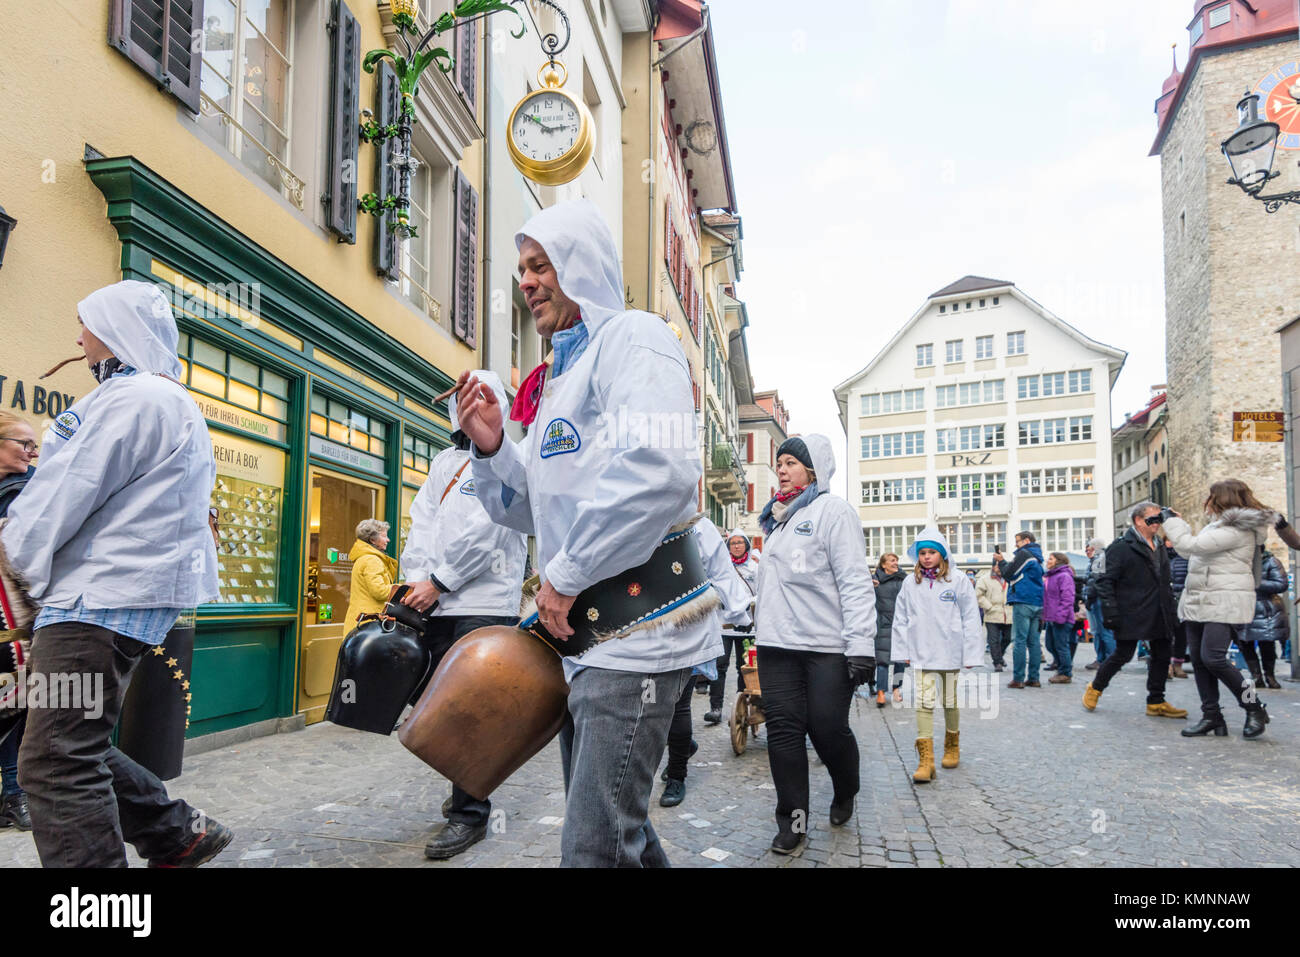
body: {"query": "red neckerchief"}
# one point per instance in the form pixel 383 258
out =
pixel 741 560
pixel 529 397
pixel 784 497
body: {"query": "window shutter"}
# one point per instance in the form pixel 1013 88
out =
pixel 751 499
pixel 164 38
pixel 467 65
pixel 345 79
pixel 749 449
pixel 387 103
pixel 465 292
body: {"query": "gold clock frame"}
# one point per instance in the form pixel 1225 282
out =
pixel 569 166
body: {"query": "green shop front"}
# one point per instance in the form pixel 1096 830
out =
pixel 307 444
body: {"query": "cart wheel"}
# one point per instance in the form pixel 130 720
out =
pixel 739 723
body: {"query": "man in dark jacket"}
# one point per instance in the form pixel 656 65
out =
pixel 1137 603
pixel 1178 580
pixel 1024 577
pixel 888 579
pixel 1103 642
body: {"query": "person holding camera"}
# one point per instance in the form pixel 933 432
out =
pixel 1137 604
pixel 1223 571
pixel 1024 577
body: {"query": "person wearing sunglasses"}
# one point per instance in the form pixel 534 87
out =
pixel 18 453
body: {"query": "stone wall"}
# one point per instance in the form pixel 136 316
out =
pixel 1230 282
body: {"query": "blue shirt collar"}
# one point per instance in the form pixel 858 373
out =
pixel 568 345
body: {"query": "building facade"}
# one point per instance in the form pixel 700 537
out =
pixel 764 425
pixel 987 414
pixel 1137 446
pixel 1230 277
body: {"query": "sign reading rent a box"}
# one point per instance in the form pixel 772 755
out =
pixel 1258 426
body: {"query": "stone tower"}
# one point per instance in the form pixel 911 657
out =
pixel 1231 276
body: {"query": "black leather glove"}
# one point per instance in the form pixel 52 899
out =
pixel 861 669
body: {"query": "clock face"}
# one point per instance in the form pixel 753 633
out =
pixel 545 126
pixel 1279 97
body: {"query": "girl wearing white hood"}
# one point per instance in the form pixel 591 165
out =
pixel 937 629
pixel 816 630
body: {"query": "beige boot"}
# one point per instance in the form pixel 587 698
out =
pixel 951 753
pixel 925 769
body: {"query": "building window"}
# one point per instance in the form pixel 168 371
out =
pixel 914 442
pixel 1054 383
pixel 1080 381
pixel 893 491
pixel 1027 387
pixel 969 393
pixel 945 396
pixel 982 302
pixel 942 310
pixel 417 252
pixel 969 305
pixel 1015 343
pixel 1081 428
pixel 1082 531
pixel 952 350
pixel 245 87
pixel 1053 431
pixel 925 355
pixel 983 347
pixel 1220 15
pixel 1196 30
pixel 883 403
pixel 995 300
pixel 1031 433
pixel 212 370
pixel 945 440
pixel 1056 535
pixel 340 423
pixel 894 538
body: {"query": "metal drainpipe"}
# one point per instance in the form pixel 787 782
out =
pixel 487 200
pixel 650 193
pixel 1289 452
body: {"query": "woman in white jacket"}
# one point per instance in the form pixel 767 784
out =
pixel 815 632
pixel 936 629
pixel 1218 600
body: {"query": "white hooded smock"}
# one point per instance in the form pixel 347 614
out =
pixel 936 621
pixel 814 585
pixel 117 513
pixel 736 595
pixel 453 539
pixel 611 462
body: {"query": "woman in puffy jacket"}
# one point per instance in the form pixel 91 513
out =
pixel 1058 613
pixel 991 593
pixel 1269 624
pixel 1218 599
pixel 373 571
pixel 815 629
pixel 889 579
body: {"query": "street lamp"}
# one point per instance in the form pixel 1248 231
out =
pixel 1250 151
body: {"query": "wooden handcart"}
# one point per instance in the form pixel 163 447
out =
pixel 747 714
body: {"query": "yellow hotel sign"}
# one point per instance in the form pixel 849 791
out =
pixel 1258 427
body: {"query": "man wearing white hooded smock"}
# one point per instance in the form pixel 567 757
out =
pixel 600 491
pixel 111 538
pixel 473 569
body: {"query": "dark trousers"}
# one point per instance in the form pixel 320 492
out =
pixel 999 637
pixel 11 736
pixel 1208 641
pixel 84 795
pixel 679 733
pixel 807 693
pixel 1157 666
pixel 1179 651
pixel 1267 651
pixel 440 634
pixel 718 688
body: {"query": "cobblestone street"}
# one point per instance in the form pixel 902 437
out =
pixel 1041 784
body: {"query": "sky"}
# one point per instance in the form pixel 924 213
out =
pixel 882 150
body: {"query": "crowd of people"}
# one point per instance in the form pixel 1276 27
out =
pixel 93 541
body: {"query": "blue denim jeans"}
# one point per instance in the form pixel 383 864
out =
pixel 610 749
pixel 1103 639
pixel 1024 630
pixel 1060 638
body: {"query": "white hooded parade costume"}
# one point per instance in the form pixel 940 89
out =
pixel 736 594
pixel 937 622
pixel 611 461
pixel 746 571
pixel 814 585
pixel 478 564
pixel 116 516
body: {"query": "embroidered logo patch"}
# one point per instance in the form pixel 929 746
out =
pixel 948 595
pixel 467 488
pixel 804 528
pixel 560 438
pixel 66 425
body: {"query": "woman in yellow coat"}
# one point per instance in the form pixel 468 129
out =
pixel 373 572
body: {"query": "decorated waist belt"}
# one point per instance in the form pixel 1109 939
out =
pixel 670 590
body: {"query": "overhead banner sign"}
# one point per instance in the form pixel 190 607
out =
pixel 223 413
pixel 1258 427
pixel 346 455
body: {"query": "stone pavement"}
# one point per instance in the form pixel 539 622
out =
pixel 1042 783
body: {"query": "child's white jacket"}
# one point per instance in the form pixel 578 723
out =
pixel 937 624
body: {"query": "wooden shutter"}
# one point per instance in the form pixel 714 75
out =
pixel 164 38
pixel 467 62
pixel 345 80
pixel 465 289
pixel 750 502
pixel 387 103
pixel 749 448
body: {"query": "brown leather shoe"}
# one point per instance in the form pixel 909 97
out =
pixel 1059 680
pixel 1015 684
pixel 1032 684
pixel 1176 670
pixel 1165 710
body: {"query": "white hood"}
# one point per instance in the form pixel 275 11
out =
pixel 134 319
pixel 823 458
pixel 581 248
pixel 492 381
pixel 930 534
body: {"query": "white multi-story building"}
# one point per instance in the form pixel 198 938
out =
pixel 986 414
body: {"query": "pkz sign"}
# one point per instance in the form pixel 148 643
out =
pixel 958 461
